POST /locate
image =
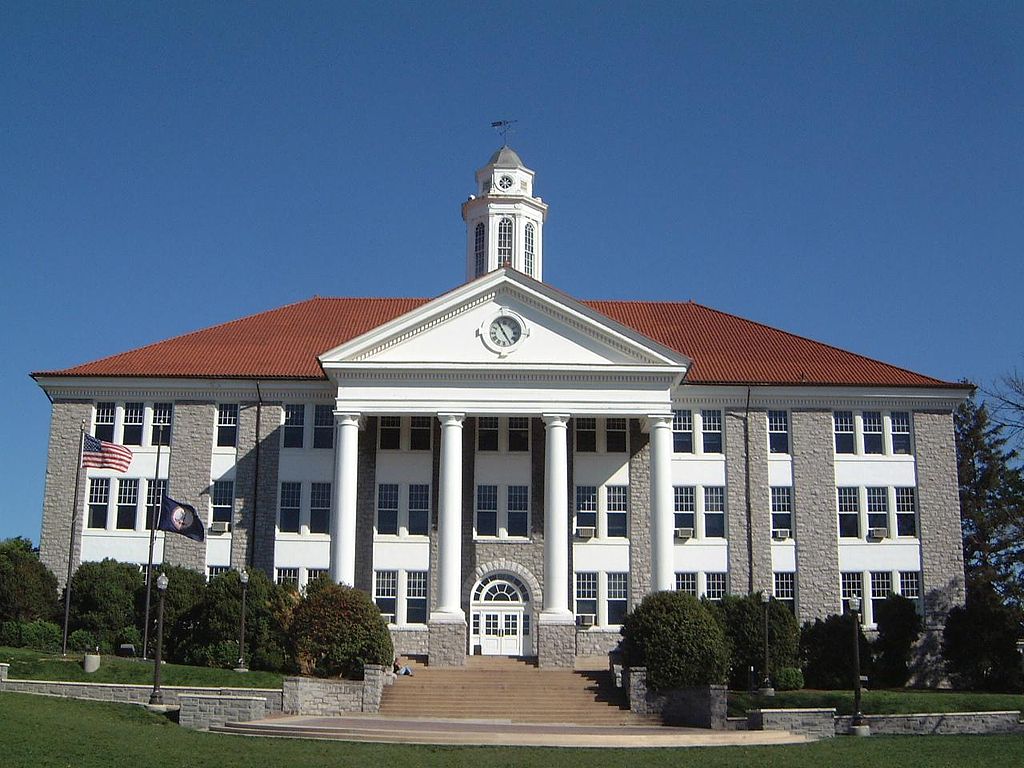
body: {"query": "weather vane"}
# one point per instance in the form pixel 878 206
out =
pixel 504 127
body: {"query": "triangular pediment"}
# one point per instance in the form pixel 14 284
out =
pixel 455 329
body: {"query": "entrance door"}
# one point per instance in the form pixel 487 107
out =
pixel 501 632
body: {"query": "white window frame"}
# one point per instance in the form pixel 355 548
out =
pixel 502 504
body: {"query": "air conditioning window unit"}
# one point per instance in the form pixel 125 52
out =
pixel 219 526
pixel 585 620
pixel 585 531
pixel 684 533
pixel 388 617
pixel 781 534
pixel 877 534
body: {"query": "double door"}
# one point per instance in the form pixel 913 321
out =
pixel 501 632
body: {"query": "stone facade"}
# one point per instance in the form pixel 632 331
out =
pixel 200 712
pixel 639 513
pixel 597 641
pixel 253 525
pixel 447 643
pixel 410 642
pixel 749 501
pixel 556 644
pixel 700 707
pixel 59 500
pixel 814 515
pixel 315 696
pixel 366 504
pixel 815 723
pixel 189 476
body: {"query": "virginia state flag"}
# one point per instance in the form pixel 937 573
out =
pixel 176 517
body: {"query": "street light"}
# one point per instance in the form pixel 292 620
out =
pixel 860 724
pixel 243 576
pixel 766 685
pixel 156 697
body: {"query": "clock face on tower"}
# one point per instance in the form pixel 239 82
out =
pixel 506 182
pixel 505 331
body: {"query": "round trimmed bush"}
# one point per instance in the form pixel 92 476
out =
pixel 82 641
pixel 826 650
pixel 42 636
pixel 678 639
pixel 789 679
pixel 742 619
pixel 336 630
pixel 103 599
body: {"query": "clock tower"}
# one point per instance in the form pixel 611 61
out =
pixel 504 221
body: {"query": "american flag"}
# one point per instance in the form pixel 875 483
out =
pixel 99 454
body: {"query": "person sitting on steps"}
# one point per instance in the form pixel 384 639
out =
pixel 402 669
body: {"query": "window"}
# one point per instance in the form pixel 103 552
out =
pixel 518 433
pixel 385 593
pixel 849 512
pixel 487 510
pixel 505 242
pixel 686 583
pixel 480 249
pixel 487 433
pixel 872 432
pixel 288 577
pixel 778 432
pixel 155 490
pixel 685 506
pixel 312 574
pixel 586 594
pixel 227 425
pixel 213 571
pixel 291 496
pixel 387 508
pixel 390 433
pixel 715 589
pixel 617 511
pixel 906 517
pixel 843 422
pixel 615 435
pixel 711 426
pixel 881 588
pixel 133 414
pixel 852 586
pixel 323 426
pixel 320 508
pixel 127 504
pixel 161 424
pixel 714 511
pixel 419 509
pixel 682 431
pixel 878 507
pixel 294 424
pixel 105 421
pixel 99 498
pixel 782 511
pixel 416 597
pixel 910 585
pixel 618 597
pixel 518 509
pixel 586 435
pixel 528 249
pixel 586 506
pixel 785 589
pixel 419 433
pixel 222 499
pixel 901 432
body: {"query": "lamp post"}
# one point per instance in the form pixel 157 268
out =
pixel 766 685
pixel 243 576
pixel 156 698
pixel 860 726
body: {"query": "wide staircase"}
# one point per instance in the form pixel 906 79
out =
pixel 500 688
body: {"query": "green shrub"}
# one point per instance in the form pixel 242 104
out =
pixel 678 639
pixel 336 630
pixel 826 652
pixel 185 589
pixel 789 679
pixel 222 655
pixel 979 644
pixel 899 626
pixel 42 636
pixel 742 618
pixel 103 599
pixel 28 591
pixel 81 641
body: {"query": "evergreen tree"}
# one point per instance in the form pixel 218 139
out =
pixel 991 506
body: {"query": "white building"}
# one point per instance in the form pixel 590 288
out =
pixel 508 469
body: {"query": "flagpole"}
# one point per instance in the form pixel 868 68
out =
pixel 152 537
pixel 71 543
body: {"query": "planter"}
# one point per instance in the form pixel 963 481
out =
pixel 91 662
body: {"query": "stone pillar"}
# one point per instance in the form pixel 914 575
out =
pixel 446 644
pixel 662 505
pixel 188 476
pixel 639 513
pixel 749 530
pixel 343 518
pixel 556 630
pixel 253 525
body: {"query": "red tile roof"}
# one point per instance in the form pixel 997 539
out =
pixel 284 343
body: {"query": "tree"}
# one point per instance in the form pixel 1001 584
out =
pixel 103 600
pixel 899 626
pixel 743 621
pixel 826 650
pixel 991 505
pixel 185 589
pixel 1007 398
pixel 979 643
pixel 28 591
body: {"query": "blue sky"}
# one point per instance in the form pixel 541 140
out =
pixel 850 172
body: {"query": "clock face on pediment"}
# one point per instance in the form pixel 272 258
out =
pixel 503 332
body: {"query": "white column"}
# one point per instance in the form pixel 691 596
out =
pixel 343 514
pixel 556 518
pixel 662 507
pixel 449 535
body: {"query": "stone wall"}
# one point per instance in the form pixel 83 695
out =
pixel 939 724
pixel 255 513
pixel 410 642
pixel 816 723
pixel 446 643
pixel 200 711
pixel 315 696
pixel 59 502
pixel 700 707
pixel 596 641
pixel 749 530
pixel 814 515
pixel 189 476
pixel 556 644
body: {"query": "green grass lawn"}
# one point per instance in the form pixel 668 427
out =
pixel 38 732
pixel 880 702
pixel 27 664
